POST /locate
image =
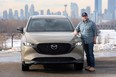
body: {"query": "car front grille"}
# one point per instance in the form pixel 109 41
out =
pixel 54 48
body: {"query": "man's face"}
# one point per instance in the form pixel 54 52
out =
pixel 84 18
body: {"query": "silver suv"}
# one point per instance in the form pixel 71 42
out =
pixel 50 40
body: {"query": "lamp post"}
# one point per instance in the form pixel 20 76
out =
pixel 12 40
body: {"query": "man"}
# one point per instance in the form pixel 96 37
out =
pixel 87 28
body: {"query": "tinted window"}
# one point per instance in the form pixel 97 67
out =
pixel 49 25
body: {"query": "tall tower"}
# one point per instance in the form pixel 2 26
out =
pixel 74 10
pixel 16 15
pixel 111 5
pixel 21 14
pixel 88 10
pixel 65 11
pixel 98 11
pixel 48 12
pixel 41 12
pixel 98 6
pixel 32 10
pixel 5 14
pixel 26 11
pixel 10 14
pixel 112 8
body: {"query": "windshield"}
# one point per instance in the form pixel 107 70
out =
pixel 50 25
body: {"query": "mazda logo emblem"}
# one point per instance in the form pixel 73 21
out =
pixel 54 46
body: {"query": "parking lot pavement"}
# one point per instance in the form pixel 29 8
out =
pixel 105 67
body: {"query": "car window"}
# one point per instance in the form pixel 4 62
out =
pixel 49 25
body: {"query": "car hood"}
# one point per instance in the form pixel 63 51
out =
pixel 49 37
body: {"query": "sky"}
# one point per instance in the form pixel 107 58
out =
pixel 54 5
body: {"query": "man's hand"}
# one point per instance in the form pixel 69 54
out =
pixel 75 33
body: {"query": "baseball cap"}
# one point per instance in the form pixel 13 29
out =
pixel 84 14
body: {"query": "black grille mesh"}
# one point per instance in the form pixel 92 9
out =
pixel 54 48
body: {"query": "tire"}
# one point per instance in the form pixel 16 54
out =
pixel 25 67
pixel 78 66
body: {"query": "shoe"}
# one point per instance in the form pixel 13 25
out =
pixel 87 68
pixel 91 69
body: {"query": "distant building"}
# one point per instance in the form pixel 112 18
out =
pixel 105 11
pixel 98 6
pixel 98 11
pixel 107 15
pixel 32 10
pixel 95 17
pixel 22 14
pixel 5 15
pixel 10 15
pixel 111 5
pixel 16 15
pixel 41 12
pixel 74 10
pixel 26 11
pixel 48 12
pixel 88 10
pixel 112 8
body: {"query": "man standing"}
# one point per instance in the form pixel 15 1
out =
pixel 87 28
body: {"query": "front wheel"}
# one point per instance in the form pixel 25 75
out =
pixel 78 66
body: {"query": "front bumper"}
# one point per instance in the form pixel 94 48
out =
pixel 31 56
pixel 55 60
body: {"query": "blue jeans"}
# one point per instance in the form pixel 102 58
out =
pixel 88 48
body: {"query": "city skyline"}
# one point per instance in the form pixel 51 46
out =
pixel 54 5
pixel 70 10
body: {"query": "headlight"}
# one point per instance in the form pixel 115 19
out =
pixel 79 43
pixel 28 44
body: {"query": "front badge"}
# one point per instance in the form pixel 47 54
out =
pixel 54 47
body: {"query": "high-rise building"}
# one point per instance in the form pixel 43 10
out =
pixel 26 11
pixel 105 11
pixel 16 16
pixel 88 10
pixel 5 15
pixel 98 6
pixel 10 16
pixel 74 10
pixel 98 12
pixel 112 7
pixel 107 15
pixel 22 14
pixel 41 12
pixel 32 10
pixel 48 12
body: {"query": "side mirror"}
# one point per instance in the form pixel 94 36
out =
pixel 20 29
